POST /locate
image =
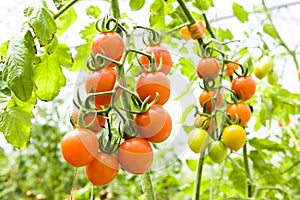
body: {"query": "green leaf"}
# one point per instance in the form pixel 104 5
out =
pixel 157 16
pixel 50 48
pixel 192 164
pixel 136 4
pixel 260 143
pixel 224 34
pixel 93 11
pixel 188 69
pixel 42 22
pixel 187 128
pixel 48 74
pixel 3 51
pixel 240 12
pixel 186 113
pixel 203 5
pixel 16 127
pixel 270 30
pixel 65 21
pixel 18 72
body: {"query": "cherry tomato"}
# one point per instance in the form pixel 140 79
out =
pixel 230 67
pixel 217 151
pixel 208 68
pixel 266 63
pixel 101 81
pixel 299 73
pixel 258 72
pixel 272 78
pixel 109 44
pixel 99 121
pixel 234 137
pixel 205 99
pixel 155 125
pixel 135 155
pixel 165 55
pixel 149 83
pixel 240 110
pixel 185 32
pixel 79 147
pixel 198 140
pixel 103 169
pixel 244 87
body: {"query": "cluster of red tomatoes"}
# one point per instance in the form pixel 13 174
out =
pixel 80 146
pixel 237 112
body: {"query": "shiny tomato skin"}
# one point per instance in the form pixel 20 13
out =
pixel 109 44
pixel 240 110
pixel 99 121
pixel 165 55
pixel 244 87
pixel 79 147
pixel 205 99
pixel 208 67
pixel 135 155
pixel 101 81
pixel 234 137
pixel 149 83
pixel 103 169
pixel 155 125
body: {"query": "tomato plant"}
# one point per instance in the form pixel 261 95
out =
pixel 148 84
pixel 208 67
pixel 103 169
pixel 135 155
pixel 234 137
pixel 155 124
pixel 79 147
pixel 244 87
pixel 102 81
pixel 198 140
pixel 109 44
pixel 159 52
pixel 239 111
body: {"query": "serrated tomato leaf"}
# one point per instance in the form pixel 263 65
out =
pixel 65 21
pixel 41 21
pixel 3 51
pixel 18 71
pixel 240 13
pixel 16 127
pixel 136 4
pixel 157 16
pixel 48 75
pixel 270 30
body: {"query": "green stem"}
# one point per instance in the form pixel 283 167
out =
pixel 147 186
pixel 247 171
pixel 197 185
pixel 145 177
pixel 64 8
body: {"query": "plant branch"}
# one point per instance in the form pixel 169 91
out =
pixel 65 8
pixel 197 185
pixel 247 171
pixel 147 188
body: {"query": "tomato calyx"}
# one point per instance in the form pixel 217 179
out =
pixel 152 62
pixel 109 140
pixel 108 24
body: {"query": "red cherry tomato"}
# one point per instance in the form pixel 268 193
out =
pixel 244 87
pixel 149 83
pixel 205 99
pixel 102 81
pixel 109 44
pixel 79 147
pixel 165 55
pixel 208 68
pixel 135 155
pixel 240 110
pixel 103 169
pixel 155 125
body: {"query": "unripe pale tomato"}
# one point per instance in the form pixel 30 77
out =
pixel 109 44
pixel 234 137
pixel 135 155
pixel 79 147
pixel 244 87
pixel 217 151
pixel 240 110
pixel 258 72
pixel 155 124
pixel 266 63
pixel 198 140
pixel 103 169
pixel 208 68
pixel 273 78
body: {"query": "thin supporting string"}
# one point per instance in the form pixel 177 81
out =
pixel 73 183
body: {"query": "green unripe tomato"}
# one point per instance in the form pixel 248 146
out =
pixel 266 63
pixel 273 78
pixel 217 151
pixel 198 140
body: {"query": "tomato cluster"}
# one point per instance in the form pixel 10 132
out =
pixel 208 134
pixel 265 68
pixel 99 141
